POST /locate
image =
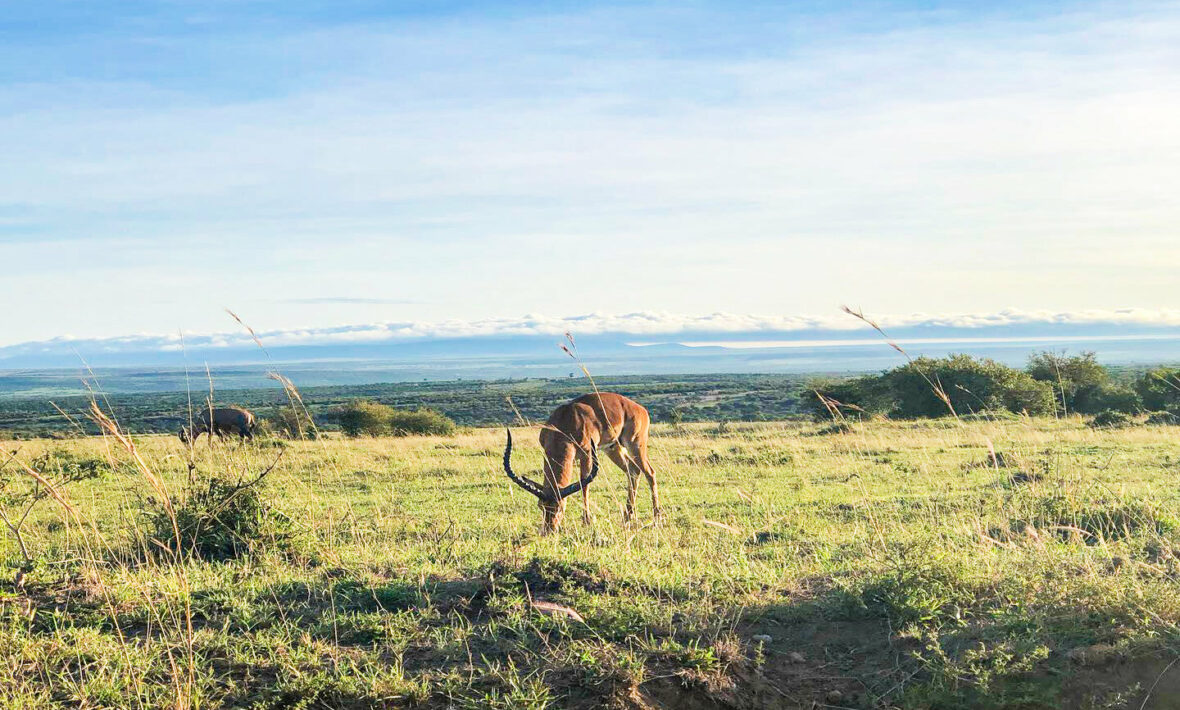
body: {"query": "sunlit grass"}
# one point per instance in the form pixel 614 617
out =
pixel 903 564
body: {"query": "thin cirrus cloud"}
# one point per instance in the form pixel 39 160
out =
pixel 742 158
pixel 332 300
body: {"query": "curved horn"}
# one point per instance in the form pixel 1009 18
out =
pixel 575 487
pixel 522 481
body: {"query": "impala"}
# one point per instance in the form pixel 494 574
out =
pixel 575 431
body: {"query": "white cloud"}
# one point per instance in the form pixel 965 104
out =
pixel 640 326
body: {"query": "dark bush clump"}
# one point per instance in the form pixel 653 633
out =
pixel 68 465
pixel 1107 397
pixel 1112 419
pixel 219 520
pixel 836 427
pixel 363 418
pixel 1159 389
pixel 1163 419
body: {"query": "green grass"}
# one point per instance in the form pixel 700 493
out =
pixel 891 565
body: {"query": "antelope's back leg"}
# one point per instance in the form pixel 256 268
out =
pixel 638 451
pixel 616 454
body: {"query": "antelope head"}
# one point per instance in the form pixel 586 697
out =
pixel 550 498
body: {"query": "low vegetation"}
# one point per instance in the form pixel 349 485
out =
pixel 694 398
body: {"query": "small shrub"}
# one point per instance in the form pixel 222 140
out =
pixel 836 427
pixel 19 493
pixel 425 422
pixel 363 418
pixel 218 520
pixel 290 423
pixel 1111 419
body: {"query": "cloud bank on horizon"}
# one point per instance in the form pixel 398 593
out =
pixel 417 163
pixel 628 329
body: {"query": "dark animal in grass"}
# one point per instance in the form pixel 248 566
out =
pixel 574 433
pixel 222 422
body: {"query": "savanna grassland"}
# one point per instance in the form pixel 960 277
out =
pixel 1026 563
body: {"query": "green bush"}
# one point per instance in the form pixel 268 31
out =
pixel 1081 385
pixel 421 421
pixel 364 418
pixel 1112 419
pixel 1108 397
pixel 1159 388
pixel 911 391
pixel 971 384
pixel 218 520
pixel 290 423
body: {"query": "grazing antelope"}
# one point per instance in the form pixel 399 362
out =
pixel 576 430
pixel 223 422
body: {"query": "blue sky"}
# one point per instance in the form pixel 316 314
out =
pixel 318 164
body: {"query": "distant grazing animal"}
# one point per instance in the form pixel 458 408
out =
pixel 576 430
pixel 226 421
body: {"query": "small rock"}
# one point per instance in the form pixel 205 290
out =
pixel 795 657
pixel 834 696
pixel 762 638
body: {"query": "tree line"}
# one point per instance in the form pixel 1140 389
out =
pixel 1050 384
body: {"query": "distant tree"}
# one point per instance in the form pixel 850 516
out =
pixel 1159 388
pixel 1080 384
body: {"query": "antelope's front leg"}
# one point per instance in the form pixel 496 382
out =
pixel 585 492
